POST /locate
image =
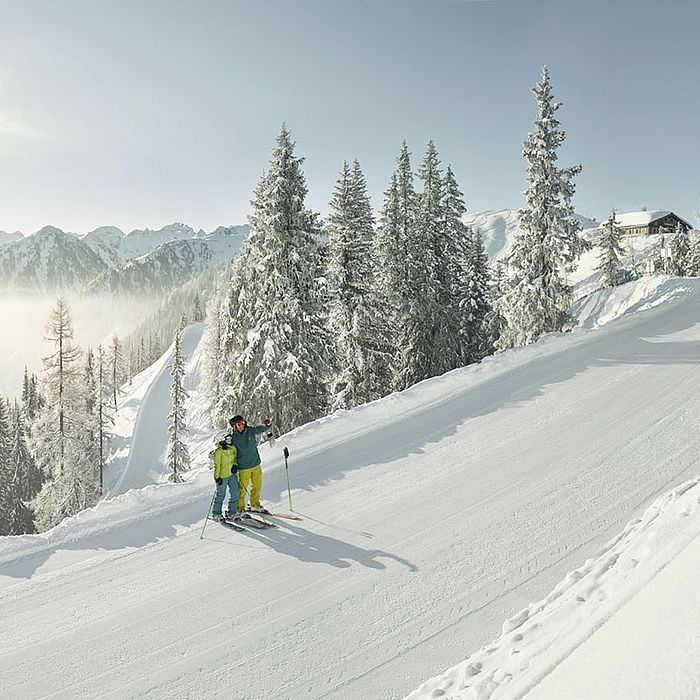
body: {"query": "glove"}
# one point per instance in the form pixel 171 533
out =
pixel 218 480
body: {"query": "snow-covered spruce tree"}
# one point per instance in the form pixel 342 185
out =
pixel 495 322
pixel 357 319
pixel 101 412
pixel 30 475
pixel 217 318
pixel 32 401
pixel 197 309
pixel 536 297
pixel 694 258
pixel 475 304
pixel 632 262
pixel 7 489
pixel 428 330
pixel 22 480
pixel 464 297
pixel 679 249
pixel 59 440
pixel 659 257
pixel 178 456
pixel 611 251
pixel 430 342
pixel 116 369
pixel 275 348
pixel 397 267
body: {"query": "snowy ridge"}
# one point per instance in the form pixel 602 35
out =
pixel 540 636
pixel 168 266
pixel 49 259
pixel 499 228
pixel 105 259
pixel 6 237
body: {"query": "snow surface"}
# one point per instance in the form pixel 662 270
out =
pixel 430 517
pixel 141 424
pixel 649 649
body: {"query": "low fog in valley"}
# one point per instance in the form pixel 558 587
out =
pixel 23 318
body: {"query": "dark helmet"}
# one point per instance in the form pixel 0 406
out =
pixel 236 419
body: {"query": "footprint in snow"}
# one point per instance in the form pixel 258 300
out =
pixel 473 669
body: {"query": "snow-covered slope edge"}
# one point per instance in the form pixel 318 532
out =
pixel 540 636
pixel 610 303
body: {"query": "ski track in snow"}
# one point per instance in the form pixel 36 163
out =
pixel 429 518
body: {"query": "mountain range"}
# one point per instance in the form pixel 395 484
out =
pixel 108 260
pixel 147 261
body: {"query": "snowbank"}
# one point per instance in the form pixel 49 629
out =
pixel 539 637
pixel 608 304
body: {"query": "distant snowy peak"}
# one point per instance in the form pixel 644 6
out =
pixel 6 237
pixel 106 241
pixel 168 266
pixel 241 231
pixel 499 228
pixel 48 261
pixel 140 242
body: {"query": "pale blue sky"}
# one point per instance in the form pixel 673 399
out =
pixel 142 112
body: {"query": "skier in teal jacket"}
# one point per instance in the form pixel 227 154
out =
pixel 244 437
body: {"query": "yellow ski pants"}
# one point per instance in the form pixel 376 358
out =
pixel 253 478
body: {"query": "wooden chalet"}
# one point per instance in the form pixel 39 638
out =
pixel 646 223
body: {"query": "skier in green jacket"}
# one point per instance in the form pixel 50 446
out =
pixel 249 469
pixel 225 468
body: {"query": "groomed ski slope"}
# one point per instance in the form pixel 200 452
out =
pixel 430 517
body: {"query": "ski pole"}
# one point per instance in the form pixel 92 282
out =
pixel 286 469
pixel 206 520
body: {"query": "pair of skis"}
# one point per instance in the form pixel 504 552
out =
pixel 256 520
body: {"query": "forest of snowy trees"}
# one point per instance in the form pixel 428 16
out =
pixel 317 319
pixel 320 318
pixel 54 443
pixel 315 316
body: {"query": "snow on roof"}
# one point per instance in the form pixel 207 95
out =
pixel 643 218
pixel 640 218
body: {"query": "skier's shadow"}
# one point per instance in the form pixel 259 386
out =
pixel 311 547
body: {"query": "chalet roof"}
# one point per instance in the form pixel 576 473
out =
pixel 644 218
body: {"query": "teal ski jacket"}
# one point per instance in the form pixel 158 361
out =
pixel 247 445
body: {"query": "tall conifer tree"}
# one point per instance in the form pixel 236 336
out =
pixel 611 251
pixel 275 348
pixel 475 304
pixel 357 317
pixel 23 479
pixel 400 267
pixel 537 296
pixel 60 444
pixel 178 456
pixel 679 249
